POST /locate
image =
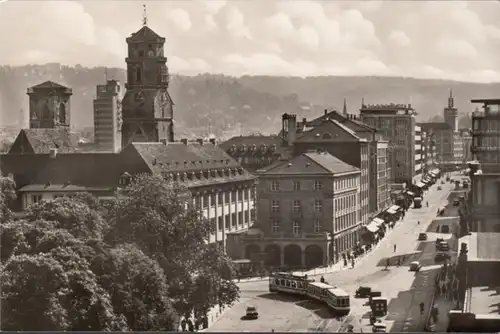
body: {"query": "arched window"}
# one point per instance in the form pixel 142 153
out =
pixel 138 74
pixel 62 113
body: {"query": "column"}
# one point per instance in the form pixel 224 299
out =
pixel 223 213
pixel 249 206
pixel 202 200
pixel 230 209
pixel 282 256
pixel 236 206
pixel 217 214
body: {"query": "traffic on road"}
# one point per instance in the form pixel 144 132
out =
pixel 396 280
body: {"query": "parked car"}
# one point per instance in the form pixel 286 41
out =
pixel 363 292
pixel 415 266
pixel 379 327
pixel 441 257
pixel 422 236
pixel 442 246
pixel 251 312
pixel 439 188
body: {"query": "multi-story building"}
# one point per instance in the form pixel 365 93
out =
pixel 418 150
pixel 308 212
pixel 485 173
pixel 396 122
pixel 107 117
pixel 466 144
pixel 428 152
pixel 448 140
pixel 337 139
pixel 50 106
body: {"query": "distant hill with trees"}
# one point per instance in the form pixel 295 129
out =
pixel 225 106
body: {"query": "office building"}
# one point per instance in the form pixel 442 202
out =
pixel 418 151
pixel 107 117
pixel 396 122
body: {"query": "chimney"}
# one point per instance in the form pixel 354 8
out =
pixel 184 141
pixel 292 129
pixel 53 153
pixel 212 140
pixel 326 111
pixel 199 141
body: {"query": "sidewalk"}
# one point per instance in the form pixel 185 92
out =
pixel 444 306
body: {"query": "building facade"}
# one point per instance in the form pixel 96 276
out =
pixel 107 117
pixel 147 107
pixel 485 172
pixel 49 106
pixel 308 212
pixel 396 122
pixel 466 144
pixel 418 150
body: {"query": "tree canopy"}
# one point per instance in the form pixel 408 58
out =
pixel 70 264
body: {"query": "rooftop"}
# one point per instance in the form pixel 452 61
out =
pixel 310 163
pixel 49 85
pixel 329 131
pixel 485 300
pixel 41 141
pixel 486 101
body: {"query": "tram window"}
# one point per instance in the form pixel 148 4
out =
pixel 287 283
pixel 282 282
pixel 294 284
pixel 300 285
pixel 277 281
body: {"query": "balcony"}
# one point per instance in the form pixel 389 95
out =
pixel 287 236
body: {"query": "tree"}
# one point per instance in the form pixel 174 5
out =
pixel 7 194
pixel 158 216
pixel 60 275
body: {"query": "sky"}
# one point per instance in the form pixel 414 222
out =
pixel 457 40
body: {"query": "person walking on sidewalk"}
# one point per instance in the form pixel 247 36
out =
pixel 394 248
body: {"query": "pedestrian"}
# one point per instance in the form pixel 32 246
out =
pixel 394 248
pixel 190 325
pixel 418 223
pixel 444 290
pixel 422 308
pixel 183 324
pixel 322 279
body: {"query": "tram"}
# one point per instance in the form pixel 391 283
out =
pixel 299 284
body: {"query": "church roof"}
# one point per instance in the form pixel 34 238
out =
pixel 49 84
pixel 41 141
pixel 145 34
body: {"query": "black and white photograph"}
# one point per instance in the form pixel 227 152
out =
pixel 250 166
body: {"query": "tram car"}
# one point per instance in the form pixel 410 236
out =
pixel 299 284
pixel 295 283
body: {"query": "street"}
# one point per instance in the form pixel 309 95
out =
pixel 403 289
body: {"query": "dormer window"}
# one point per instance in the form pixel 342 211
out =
pixel 327 136
pixel 185 176
pixel 124 179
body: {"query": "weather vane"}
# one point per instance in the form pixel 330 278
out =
pixel 144 16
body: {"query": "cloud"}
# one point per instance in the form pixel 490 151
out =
pixel 447 40
pixel 236 24
pixel 399 38
pixel 180 18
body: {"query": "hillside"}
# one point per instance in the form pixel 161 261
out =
pixel 228 106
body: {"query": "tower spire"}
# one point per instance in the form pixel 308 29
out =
pixel 144 15
pixel 451 100
pixel 344 110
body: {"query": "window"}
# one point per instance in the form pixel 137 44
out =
pixel 296 185
pixel 275 186
pixel 276 226
pixel 318 185
pixel 296 206
pixel 296 227
pixel 318 206
pixel 36 198
pixel 164 73
pixel 219 223
pixel 58 196
pixel 317 226
pixel 275 206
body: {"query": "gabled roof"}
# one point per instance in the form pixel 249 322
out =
pixel 177 157
pixel 49 84
pixel 145 34
pixel 41 141
pixel 436 126
pixel 310 163
pixel 329 131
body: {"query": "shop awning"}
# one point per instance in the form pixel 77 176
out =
pixel 378 221
pixel 393 209
pixel 433 173
pixel 411 193
pixel 425 181
pixel 420 185
pixel 372 227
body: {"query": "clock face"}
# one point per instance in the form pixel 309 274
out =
pixel 139 96
pixel 151 53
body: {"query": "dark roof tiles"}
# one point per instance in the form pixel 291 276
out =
pixel 43 140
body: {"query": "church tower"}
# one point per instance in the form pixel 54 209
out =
pixel 451 113
pixel 147 108
pixel 49 106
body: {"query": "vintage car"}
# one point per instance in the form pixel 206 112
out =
pixel 415 266
pixel 363 292
pixel 251 312
pixel 422 236
pixel 379 327
pixel 441 257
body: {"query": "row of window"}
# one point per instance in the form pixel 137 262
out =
pixel 276 206
pixel 275 185
pixel 296 226
pixel 346 202
pixel 344 183
pixel 346 221
pixel 228 197
pixel 234 219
